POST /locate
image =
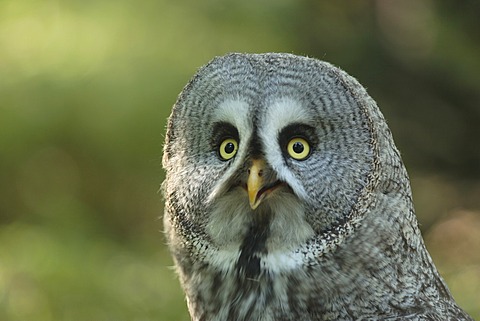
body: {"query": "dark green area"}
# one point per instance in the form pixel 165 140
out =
pixel 85 90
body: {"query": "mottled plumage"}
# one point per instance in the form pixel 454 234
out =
pixel 286 199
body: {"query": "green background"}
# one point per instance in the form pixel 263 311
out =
pixel 85 90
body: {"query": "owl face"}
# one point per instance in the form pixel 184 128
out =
pixel 259 145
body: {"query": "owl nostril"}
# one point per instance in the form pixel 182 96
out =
pixel 260 172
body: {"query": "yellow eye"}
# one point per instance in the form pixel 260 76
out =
pixel 298 148
pixel 228 148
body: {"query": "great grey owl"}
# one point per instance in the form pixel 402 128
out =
pixel 286 199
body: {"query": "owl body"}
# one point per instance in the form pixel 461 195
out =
pixel 286 199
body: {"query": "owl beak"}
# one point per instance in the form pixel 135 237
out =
pixel 258 185
pixel 255 183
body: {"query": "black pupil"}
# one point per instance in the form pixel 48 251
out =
pixel 298 147
pixel 229 148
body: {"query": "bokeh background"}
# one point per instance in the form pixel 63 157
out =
pixel 85 90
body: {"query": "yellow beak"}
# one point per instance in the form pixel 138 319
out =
pixel 255 183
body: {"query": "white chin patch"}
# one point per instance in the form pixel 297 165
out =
pixel 231 217
pixel 288 227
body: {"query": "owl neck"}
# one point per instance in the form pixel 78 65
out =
pixel 381 268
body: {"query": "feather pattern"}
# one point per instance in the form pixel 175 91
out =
pixel 335 236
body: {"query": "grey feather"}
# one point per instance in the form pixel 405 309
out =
pixel 335 239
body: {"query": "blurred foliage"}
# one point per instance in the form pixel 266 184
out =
pixel 85 89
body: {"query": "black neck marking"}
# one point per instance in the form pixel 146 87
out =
pixel 254 243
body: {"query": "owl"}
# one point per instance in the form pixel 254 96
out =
pixel 286 199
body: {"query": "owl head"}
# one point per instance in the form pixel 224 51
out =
pixel 287 150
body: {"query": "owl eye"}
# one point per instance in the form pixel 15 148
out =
pixel 298 148
pixel 228 148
